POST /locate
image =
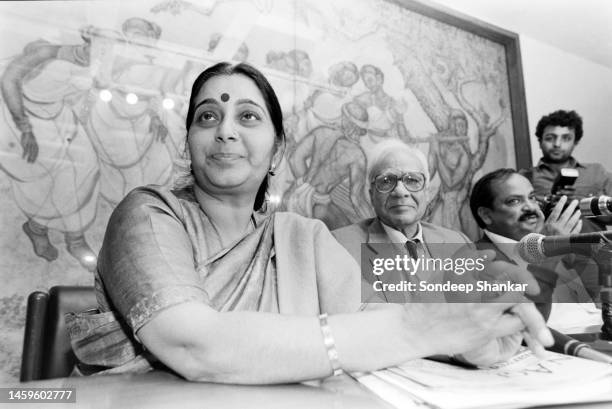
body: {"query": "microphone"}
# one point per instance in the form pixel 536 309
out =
pixel 536 248
pixel 570 346
pixel 596 206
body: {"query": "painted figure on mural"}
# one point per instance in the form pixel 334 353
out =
pixel 324 159
pixel 67 144
pixel 451 158
pixel 454 92
pixel 50 162
pixel 384 112
pixel 324 105
pixel 129 131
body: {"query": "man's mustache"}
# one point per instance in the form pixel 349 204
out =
pixel 527 215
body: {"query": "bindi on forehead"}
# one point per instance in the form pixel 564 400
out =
pixel 225 97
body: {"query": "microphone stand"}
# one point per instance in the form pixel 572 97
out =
pixel 603 257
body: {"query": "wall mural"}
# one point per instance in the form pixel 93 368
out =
pixel 94 94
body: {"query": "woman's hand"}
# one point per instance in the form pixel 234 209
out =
pixel 482 333
pixel 497 350
pixel 484 327
pixel 503 348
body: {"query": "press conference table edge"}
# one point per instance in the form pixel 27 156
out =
pixel 161 389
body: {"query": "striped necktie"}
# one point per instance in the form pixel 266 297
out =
pixel 412 247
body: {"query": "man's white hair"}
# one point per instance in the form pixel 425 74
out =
pixel 394 146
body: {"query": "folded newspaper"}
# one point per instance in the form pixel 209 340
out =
pixel 523 381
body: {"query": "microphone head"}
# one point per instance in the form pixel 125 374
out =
pixel 596 206
pixel 530 248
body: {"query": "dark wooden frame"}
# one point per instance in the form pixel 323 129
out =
pixel 510 42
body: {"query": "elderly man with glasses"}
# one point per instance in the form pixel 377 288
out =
pixel 398 176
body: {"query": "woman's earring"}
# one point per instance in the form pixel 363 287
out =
pixel 272 170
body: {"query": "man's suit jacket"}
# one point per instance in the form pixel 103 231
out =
pixel 439 242
pixel 544 275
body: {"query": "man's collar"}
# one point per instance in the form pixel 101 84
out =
pixel 506 245
pixel 572 162
pixel 397 236
pixel 498 238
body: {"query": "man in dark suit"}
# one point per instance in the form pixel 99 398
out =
pixel 504 205
pixel 398 177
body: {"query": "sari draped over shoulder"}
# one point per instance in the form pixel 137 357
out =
pixel 241 276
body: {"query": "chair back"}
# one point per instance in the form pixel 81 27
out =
pixel 46 348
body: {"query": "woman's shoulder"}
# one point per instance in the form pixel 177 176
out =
pixel 155 198
pixel 149 194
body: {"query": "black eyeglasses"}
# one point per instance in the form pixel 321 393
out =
pixel 386 182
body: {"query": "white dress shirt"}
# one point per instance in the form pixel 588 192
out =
pixel 397 236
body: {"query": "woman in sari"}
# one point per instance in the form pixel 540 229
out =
pixel 204 282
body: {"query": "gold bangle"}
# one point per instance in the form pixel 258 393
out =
pixel 330 345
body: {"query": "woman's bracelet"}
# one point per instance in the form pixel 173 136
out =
pixel 330 345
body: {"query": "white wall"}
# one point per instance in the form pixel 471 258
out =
pixel 555 79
